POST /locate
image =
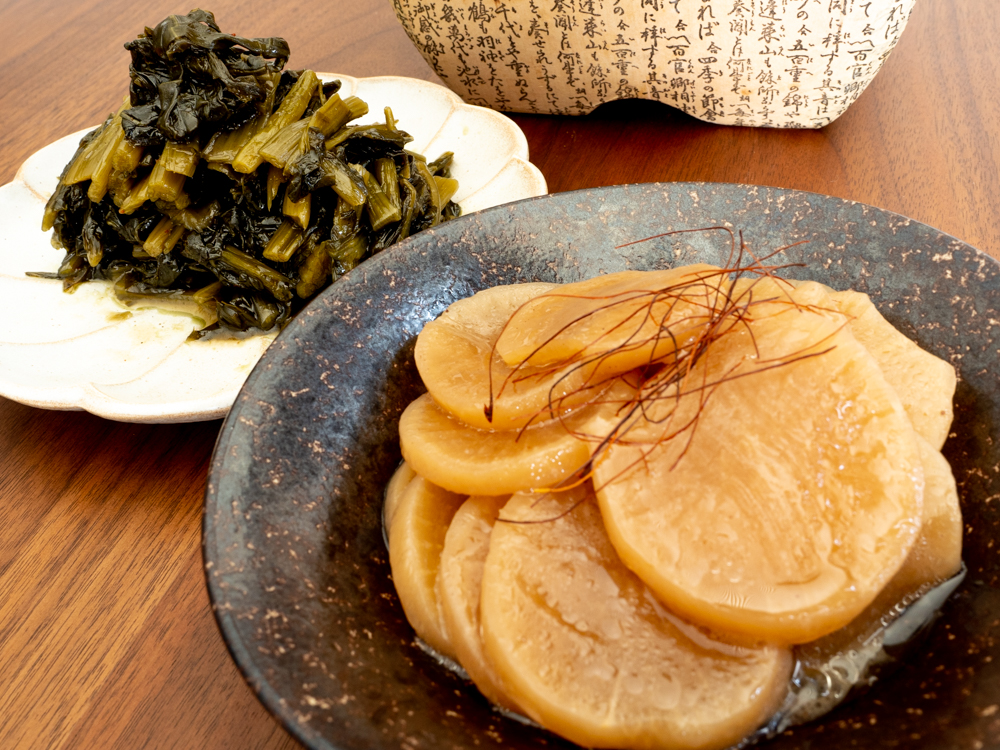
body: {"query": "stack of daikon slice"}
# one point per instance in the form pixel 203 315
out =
pixel 624 501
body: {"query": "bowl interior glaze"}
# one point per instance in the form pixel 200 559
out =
pixel 296 563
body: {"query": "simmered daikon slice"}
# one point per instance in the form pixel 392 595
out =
pixel 766 294
pixel 400 480
pixel 925 383
pixel 459 584
pixel 936 557
pixel 621 316
pixel 416 539
pixel 480 462
pixel 587 651
pixel 454 355
pixel 790 491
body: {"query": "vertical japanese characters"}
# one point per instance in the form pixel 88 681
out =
pixel 765 63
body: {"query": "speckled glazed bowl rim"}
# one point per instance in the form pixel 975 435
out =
pixel 277 500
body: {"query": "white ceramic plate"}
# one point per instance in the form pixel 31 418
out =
pixel 85 351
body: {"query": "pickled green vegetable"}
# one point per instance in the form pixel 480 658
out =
pixel 231 188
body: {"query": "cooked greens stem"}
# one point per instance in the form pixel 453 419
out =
pixel 298 211
pixel 49 216
pixel 181 158
pixel 284 242
pixel 195 219
pixel 275 177
pixel 138 195
pixel 349 252
pixel 70 271
pixel 379 208
pixel 347 186
pixel 199 304
pixel 340 136
pixel 268 106
pixel 126 157
pixel 224 147
pixel 88 158
pixel 436 204
pixel 447 187
pixel 174 238
pixel 442 163
pixel 388 180
pixel 91 156
pixel 336 113
pixel 119 185
pixel 81 168
pixel 104 159
pixel 358 107
pixel 314 271
pixel 155 243
pixel 267 312
pixel 345 220
pixel 94 252
pixel 183 200
pixel 207 293
pixel 286 145
pixel 276 283
pixel 222 168
pixel 409 205
pixel 291 109
pixel 165 185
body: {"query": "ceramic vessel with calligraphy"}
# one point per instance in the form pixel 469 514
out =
pixel 764 63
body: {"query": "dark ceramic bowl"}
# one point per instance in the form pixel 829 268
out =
pixel 296 563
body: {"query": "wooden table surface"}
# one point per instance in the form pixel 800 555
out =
pixel 106 634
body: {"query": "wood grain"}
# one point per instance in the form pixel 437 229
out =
pixel 106 634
